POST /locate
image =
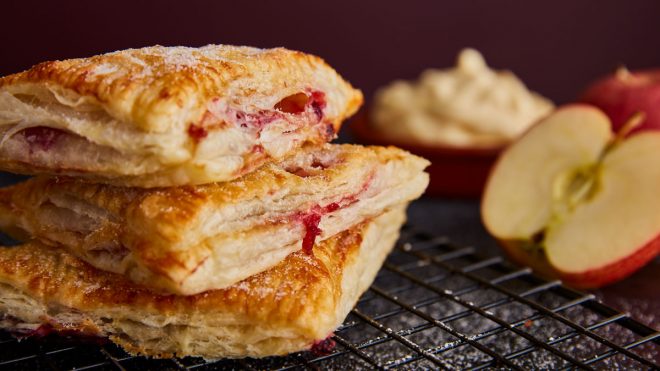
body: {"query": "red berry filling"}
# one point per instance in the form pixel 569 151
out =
pixel 47 329
pixel 318 103
pixel 43 330
pixel 311 222
pixel 312 230
pixel 331 207
pixel 312 218
pixel 197 132
pixel 329 131
pixel 41 137
pixel 312 103
pixel 323 347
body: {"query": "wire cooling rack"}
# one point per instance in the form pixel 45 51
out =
pixel 433 305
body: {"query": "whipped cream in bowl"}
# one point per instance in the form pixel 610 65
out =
pixel 459 118
pixel 469 105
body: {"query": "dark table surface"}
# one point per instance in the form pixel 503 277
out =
pixel 459 220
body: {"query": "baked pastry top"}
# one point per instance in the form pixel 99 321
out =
pixel 167 116
pixel 190 239
pixel 285 309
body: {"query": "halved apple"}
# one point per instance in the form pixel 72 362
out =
pixel 574 201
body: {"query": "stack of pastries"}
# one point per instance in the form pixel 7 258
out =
pixel 186 201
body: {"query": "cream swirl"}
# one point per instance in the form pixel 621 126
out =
pixel 468 105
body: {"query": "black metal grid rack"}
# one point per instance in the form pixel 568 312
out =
pixel 433 305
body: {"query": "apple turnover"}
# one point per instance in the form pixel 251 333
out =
pixel 186 240
pixel 169 116
pixel 288 308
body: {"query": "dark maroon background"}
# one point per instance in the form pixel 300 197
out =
pixel 556 47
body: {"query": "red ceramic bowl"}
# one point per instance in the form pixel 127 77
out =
pixel 455 171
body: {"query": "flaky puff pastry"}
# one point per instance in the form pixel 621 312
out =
pixel 168 116
pixel 188 240
pixel 285 309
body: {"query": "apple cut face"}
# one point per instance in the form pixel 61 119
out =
pixel 521 191
pixel 620 219
pixel 589 202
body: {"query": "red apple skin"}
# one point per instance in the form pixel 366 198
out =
pixel 615 271
pixel 590 279
pixel 624 93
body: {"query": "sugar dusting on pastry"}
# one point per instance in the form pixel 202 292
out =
pixel 104 69
pixel 128 113
pixel 278 311
pixel 209 267
pixel 262 285
pixel 181 57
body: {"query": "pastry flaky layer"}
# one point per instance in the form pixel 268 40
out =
pixel 283 310
pixel 169 116
pixel 187 240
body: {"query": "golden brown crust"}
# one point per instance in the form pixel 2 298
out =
pixel 177 239
pixel 167 116
pixel 145 87
pixel 284 294
pixel 284 309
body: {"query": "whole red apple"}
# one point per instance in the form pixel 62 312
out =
pixel 624 93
